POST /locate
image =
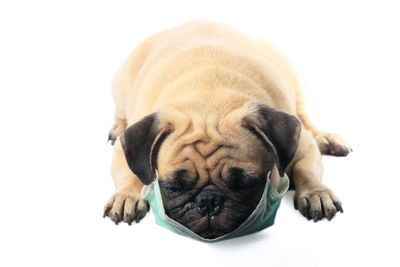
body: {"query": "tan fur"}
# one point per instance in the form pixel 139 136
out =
pixel 174 69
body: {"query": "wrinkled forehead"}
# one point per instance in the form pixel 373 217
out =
pixel 209 148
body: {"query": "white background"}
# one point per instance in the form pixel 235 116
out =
pixel 57 62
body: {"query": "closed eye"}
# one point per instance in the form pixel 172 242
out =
pixel 171 191
pixel 179 182
pixel 240 180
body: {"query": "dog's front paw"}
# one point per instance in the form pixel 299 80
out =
pixel 126 206
pixel 317 202
pixel 332 144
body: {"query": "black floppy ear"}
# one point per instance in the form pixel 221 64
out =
pixel 279 132
pixel 141 142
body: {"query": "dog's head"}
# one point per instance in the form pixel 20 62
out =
pixel 212 169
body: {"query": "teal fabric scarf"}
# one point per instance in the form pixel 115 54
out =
pixel 262 217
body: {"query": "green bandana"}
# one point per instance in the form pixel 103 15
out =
pixel 262 217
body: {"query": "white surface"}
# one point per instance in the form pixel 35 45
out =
pixel 57 61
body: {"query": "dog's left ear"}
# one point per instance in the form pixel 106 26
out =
pixel 277 130
pixel 141 142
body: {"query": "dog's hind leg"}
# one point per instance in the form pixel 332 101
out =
pixel 118 126
pixel 123 82
pixel 118 93
pixel 328 143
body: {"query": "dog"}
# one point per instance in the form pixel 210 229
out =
pixel 213 111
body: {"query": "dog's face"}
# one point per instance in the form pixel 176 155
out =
pixel 212 169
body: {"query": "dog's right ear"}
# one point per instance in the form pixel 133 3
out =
pixel 277 130
pixel 141 142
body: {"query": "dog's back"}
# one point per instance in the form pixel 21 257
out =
pixel 201 56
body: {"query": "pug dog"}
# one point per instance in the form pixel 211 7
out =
pixel 213 111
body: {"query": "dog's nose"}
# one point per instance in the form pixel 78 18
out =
pixel 209 202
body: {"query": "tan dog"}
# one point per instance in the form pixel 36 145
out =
pixel 213 111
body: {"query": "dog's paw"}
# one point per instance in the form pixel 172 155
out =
pixel 332 144
pixel 126 206
pixel 317 203
pixel 116 129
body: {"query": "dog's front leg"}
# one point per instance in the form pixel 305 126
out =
pixel 312 198
pixel 126 203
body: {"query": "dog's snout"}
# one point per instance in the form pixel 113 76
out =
pixel 209 202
